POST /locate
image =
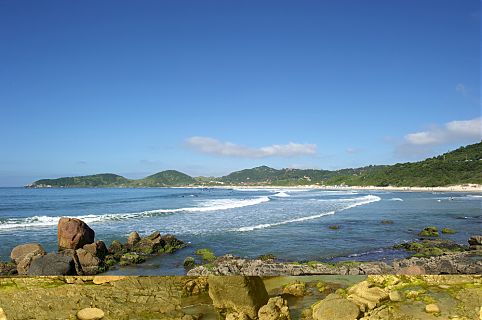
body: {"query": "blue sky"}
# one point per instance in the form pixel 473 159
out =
pixel 208 87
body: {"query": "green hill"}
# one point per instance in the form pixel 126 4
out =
pixel 168 178
pixel 460 166
pixel 96 180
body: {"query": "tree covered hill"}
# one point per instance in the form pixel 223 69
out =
pixel 461 166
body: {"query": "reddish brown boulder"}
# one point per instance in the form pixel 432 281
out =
pixel 73 233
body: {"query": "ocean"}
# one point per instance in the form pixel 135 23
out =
pixel 292 224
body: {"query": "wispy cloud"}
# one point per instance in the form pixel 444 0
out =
pixel 213 146
pixel 453 131
pixel 352 150
pixel 461 88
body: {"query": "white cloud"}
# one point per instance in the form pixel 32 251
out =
pixel 450 132
pixel 462 89
pixel 214 146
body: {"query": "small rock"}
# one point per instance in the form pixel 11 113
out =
pixel 106 279
pixel 296 289
pixel 275 309
pixel 133 238
pixel 189 262
pixel 432 308
pixel 90 314
pixel 395 296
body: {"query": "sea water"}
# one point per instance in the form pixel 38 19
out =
pixel 291 223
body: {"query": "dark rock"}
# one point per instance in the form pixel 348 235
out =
pixel 52 264
pixel 189 262
pixel 149 245
pixel 73 233
pixel 475 241
pixel 8 269
pixel 97 249
pixel 131 258
pixel 116 249
pixel 89 263
pixel 170 243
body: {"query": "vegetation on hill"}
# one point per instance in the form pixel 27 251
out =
pixel 460 166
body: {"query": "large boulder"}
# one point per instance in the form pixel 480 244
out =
pixel 238 294
pixel 52 264
pixel 335 307
pixel 73 233
pixel 23 254
pixel 97 249
pixel 275 309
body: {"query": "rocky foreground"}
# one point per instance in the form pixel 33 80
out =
pixel 79 254
pixel 242 298
pixel 430 256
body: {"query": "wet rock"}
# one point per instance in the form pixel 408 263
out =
pixel 335 307
pixel 97 249
pixel 237 294
pixel 23 254
pixel 149 245
pixel 366 295
pixel 432 308
pixel 89 263
pixel 52 264
pixel 73 233
pixel 133 238
pixel 429 232
pixel 297 289
pixel 8 268
pixel 116 249
pixel 90 314
pixel 275 309
pixel 189 262
pixel 170 243
pixel 131 258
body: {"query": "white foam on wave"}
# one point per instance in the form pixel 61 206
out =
pixel 396 199
pixel 281 194
pixel 210 205
pixel 361 201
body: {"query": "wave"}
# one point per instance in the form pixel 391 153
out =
pixel 396 199
pixel 362 201
pixel 281 194
pixel 211 205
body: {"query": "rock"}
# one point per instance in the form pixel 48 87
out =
pixel 23 254
pixel 89 263
pixel 297 289
pixel 106 279
pixel 97 249
pixel 429 232
pixel 335 307
pixel 448 231
pixel 133 238
pixel 3 316
pixel 366 296
pixel 412 270
pixel 52 264
pixel 116 249
pixel 131 258
pixel 8 268
pixel 238 294
pixel 170 243
pixel 275 309
pixel 195 286
pixel 432 308
pixel 189 262
pixel 73 233
pixel 149 245
pixel 90 314
pixel 475 240
pixel 237 316
pixel 395 296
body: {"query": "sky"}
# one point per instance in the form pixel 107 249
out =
pixel 209 87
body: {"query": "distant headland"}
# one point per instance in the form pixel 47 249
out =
pixel 462 166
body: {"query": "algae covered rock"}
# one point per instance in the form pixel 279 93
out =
pixel 297 289
pixel 237 294
pixel 335 307
pixel 275 309
pixel 429 232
